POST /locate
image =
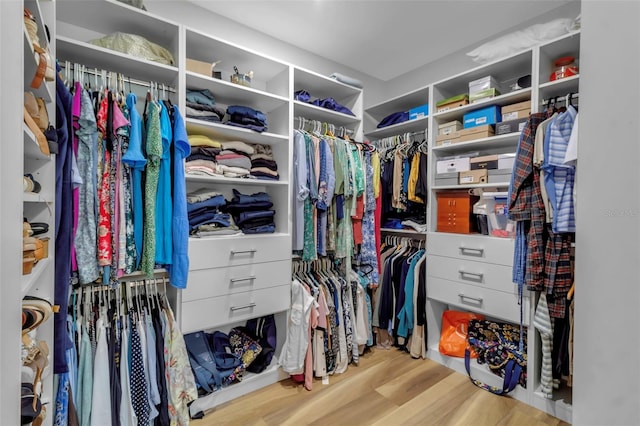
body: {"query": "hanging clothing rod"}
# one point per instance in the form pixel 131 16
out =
pixel 303 121
pixel 563 98
pixel 106 73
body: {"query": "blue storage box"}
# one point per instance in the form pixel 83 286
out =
pixel 482 116
pixel 419 112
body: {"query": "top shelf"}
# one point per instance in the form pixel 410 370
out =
pixel 502 100
pixel 320 86
pixel 400 103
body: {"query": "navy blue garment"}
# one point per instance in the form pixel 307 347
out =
pixel 264 229
pixel 240 198
pixel 243 119
pixel 264 176
pixel 213 202
pixel 247 112
pixel 339 206
pixel 258 221
pixel 64 225
pixel 210 217
pixel 255 205
pixel 163 406
pixel 395 118
pixel 301 95
pixel 330 103
pixel 251 215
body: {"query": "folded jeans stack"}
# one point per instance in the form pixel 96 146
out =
pixel 246 117
pixel 252 213
pixel 205 215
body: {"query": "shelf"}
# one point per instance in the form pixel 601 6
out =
pixel 234 94
pixel 30 67
pixel 234 181
pixel 406 232
pixel 250 382
pixel 560 87
pixel 205 48
pixel 477 185
pixel 32 197
pixel 110 16
pixel 510 140
pixel 320 86
pixel 399 103
pixel 410 126
pixel 31 147
pixel 224 132
pixel 313 112
pixel 29 280
pixel 502 100
pixel 98 57
pixel 236 236
pixel 479 236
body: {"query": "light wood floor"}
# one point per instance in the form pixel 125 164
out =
pixel 387 388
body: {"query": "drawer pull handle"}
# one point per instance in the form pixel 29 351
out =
pixel 475 299
pixel 470 251
pixel 249 306
pixel 250 251
pixel 473 276
pixel 237 280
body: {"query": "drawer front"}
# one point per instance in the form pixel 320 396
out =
pixel 495 304
pixel 205 283
pixel 472 247
pixel 456 223
pixel 480 274
pixel 216 252
pixel 210 313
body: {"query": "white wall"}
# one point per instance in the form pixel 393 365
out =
pixel 607 314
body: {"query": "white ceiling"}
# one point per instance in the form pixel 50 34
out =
pixel 381 38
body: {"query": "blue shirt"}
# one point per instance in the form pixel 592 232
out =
pixel 180 257
pixel 163 197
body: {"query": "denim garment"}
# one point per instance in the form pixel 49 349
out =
pixel 330 103
pixel 256 205
pixel 220 221
pixel 264 176
pixel 203 97
pixel 258 129
pixel 213 202
pixel 240 198
pixel 243 119
pixel 395 118
pixel 257 222
pixel 246 216
pixel 247 112
pixel 198 218
pixel 265 229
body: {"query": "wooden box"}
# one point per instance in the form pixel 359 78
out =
pixel 455 212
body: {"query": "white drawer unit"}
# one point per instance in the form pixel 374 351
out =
pixel 213 312
pixel 481 274
pixel 472 247
pixel 495 304
pixel 207 283
pixel 216 252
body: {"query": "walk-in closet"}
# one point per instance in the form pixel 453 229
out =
pixel 319 212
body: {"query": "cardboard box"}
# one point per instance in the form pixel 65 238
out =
pixel 419 112
pixel 511 126
pixel 446 179
pixel 484 162
pixel 483 95
pixel 506 161
pixel 452 102
pixel 199 67
pixel 449 128
pixel 499 175
pixel 515 111
pixel 473 177
pixel 474 133
pixel 453 165
pixel 450 139
pixel 479 117
pixel 483 83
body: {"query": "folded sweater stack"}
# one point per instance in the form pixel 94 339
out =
pixel 263 166
pixel 201 105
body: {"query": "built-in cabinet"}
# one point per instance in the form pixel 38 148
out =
pixel 470 271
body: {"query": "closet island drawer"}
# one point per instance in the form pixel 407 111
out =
pixel 492 303
pixel 213 312
pixel 206 283
pixel 481 274
pixel 472 247
pixel 216 252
